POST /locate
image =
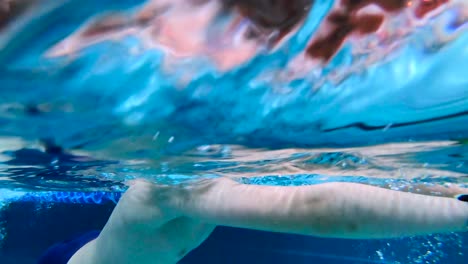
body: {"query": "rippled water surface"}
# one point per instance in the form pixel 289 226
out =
pixel 94 93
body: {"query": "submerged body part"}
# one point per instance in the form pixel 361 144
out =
pixel 162 224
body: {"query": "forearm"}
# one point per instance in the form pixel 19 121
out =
pixel 451 190
pixel 362 211
pixel 345 210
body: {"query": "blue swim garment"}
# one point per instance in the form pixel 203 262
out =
pixel 61 253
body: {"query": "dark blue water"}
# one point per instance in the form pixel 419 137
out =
pixel 93 95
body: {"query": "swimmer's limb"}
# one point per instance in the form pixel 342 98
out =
pixel 340 210
pixel 161 224
pixel 145 228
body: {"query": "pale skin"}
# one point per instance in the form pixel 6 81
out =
pixel 161 224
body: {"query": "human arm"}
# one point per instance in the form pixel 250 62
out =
pixel 144 228
pixel 342 210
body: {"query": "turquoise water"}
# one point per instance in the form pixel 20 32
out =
pixel 81 113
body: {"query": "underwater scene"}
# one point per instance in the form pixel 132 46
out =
pixel 272 93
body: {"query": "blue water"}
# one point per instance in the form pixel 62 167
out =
pixel 74 128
